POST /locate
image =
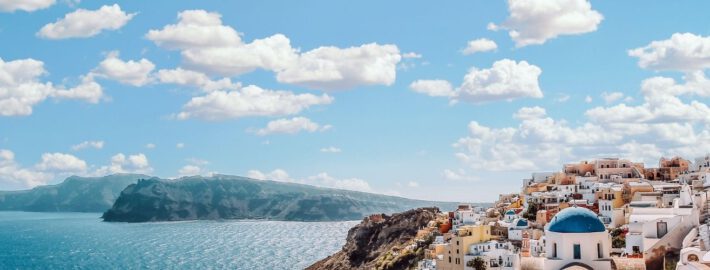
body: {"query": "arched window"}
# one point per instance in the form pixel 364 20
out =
pixel 599 251
pixel 554 250
pixel 693 258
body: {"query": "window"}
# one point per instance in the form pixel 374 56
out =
pixel 577 252
pixel 554 250
pixel 449 259
pixel 599 251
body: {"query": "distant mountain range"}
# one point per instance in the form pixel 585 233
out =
pixel 141 198
pixel 75 194
pixel 233 197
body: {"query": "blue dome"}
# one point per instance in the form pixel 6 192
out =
pixel 510 212
pixel 576 220
pixel 521 223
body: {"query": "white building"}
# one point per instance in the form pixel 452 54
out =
pixel 497 255
pixel 575 237
pixel 516 228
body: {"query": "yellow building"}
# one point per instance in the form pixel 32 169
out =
pixel 458 246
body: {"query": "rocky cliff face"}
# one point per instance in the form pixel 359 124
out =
pixel 382 244
pixel 232 197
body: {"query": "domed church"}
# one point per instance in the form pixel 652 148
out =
pixel 577 239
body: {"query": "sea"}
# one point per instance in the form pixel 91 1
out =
pixel 82 241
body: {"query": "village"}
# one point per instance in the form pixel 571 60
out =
pixel 607 213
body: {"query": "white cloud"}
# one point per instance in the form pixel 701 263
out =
pixel 505 80
pixel 480 45
pixel 13 176
pixel 21 89
pixel 200 80
pixel 276 175
pixel 321 179
pixel 121 163
pixel 88 144
pixel 84 23
pixel 249 101
pixel 612 97
pixel 533 22
pixel 332 68
pixel 331 149
pixel 136 73
pixel 661 103
pixel 180 145
pixel 434 88
pixel 291 126
pixel 195 29
pixel 58 162
pixel 24 5
pixel 189 170
pixel 683 51
pixel 412 184
pixel 88 90
pixel 324 179
pixel 150 146
pixel 208 45
pixel 664 124
pixel 588 99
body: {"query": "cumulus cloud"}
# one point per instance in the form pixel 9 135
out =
pixel 120 163
pixel 532 22
pixel 434 88
pixel 275 175
pixel 21 88
pixel 24 5
pixel 249 101
pixel 189 170
pixel 196 79
pixel 58 162
pixel 13 176
pixel 332 68
pixel 505 80
pixel 88 144
pixel 291 126
pixel 84 23
pixel 664 124
pixel 207 45
pixel 136 73
pixel 321 179
pixel 682 51
pixel 324 179
pixel 51 166
pixel 480 45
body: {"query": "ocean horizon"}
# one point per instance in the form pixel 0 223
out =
pixel 36 240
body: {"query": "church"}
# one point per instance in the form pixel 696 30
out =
pixel 577 239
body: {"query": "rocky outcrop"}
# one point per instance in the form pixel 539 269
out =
pixel 388 243
pixel 233 197
pixel 75 194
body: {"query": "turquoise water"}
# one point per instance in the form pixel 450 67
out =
pixel 83 241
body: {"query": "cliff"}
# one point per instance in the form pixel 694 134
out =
pixel 382 244
pixel 74 194
pixel 233 197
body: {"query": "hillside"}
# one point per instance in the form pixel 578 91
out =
pixel 233 197
pixel 74 194
pixel 384 244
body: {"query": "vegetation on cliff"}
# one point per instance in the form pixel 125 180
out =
pixel 233 197
pixel 384 242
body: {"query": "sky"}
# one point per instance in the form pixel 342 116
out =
pixel 455 101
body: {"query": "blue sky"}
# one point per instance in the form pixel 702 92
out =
pixel 578 90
